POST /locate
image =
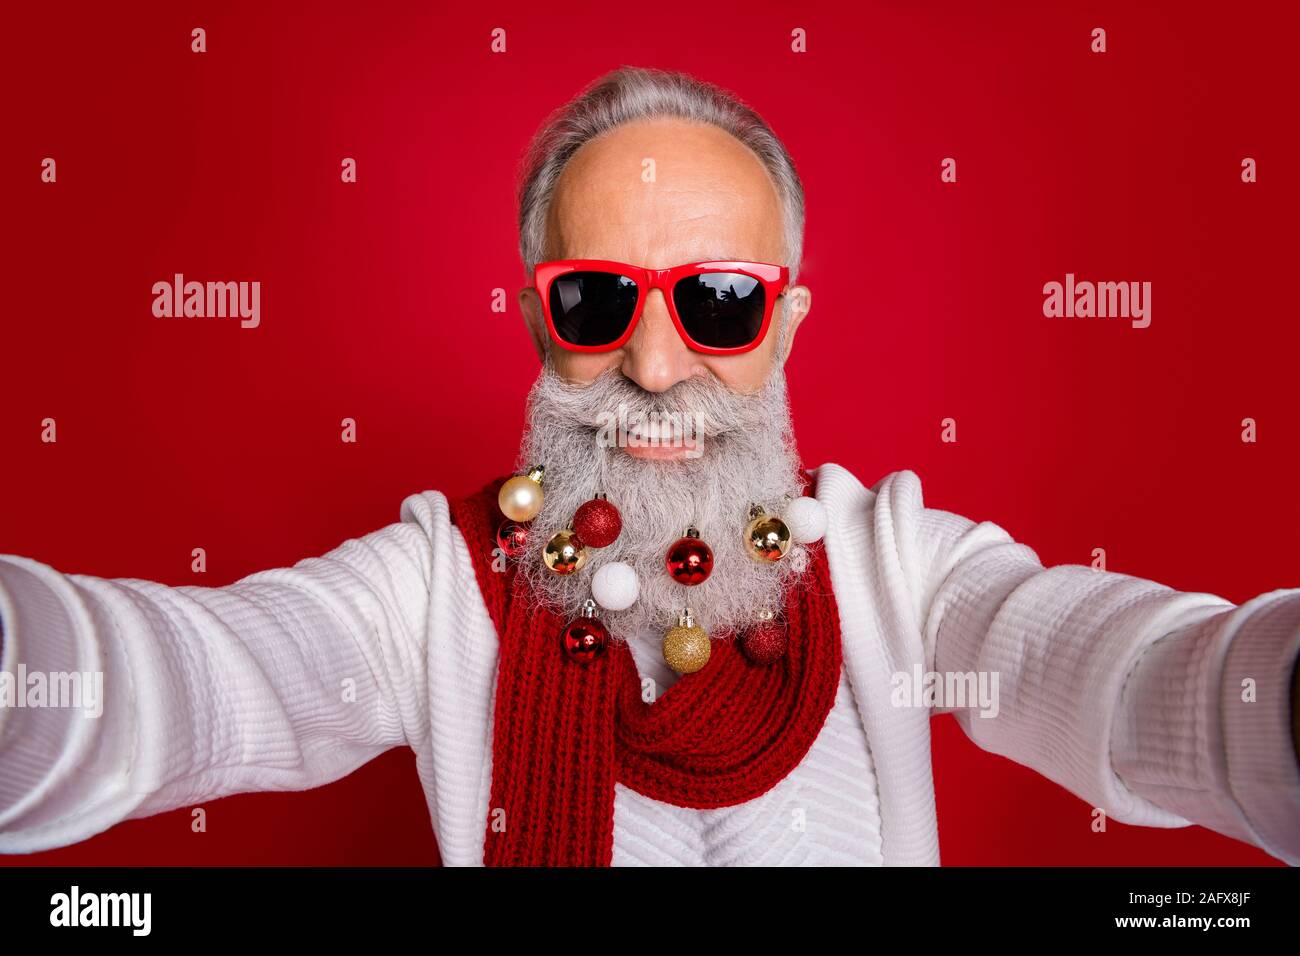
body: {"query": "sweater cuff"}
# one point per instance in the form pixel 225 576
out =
pixel 1257 724
pixel 39 745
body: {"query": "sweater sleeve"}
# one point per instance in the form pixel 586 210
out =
pixel 1160 707
pixel 285 680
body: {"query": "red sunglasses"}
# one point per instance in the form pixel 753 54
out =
pixel 719 308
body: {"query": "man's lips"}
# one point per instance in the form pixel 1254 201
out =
pixel 657 452
pixel 652 441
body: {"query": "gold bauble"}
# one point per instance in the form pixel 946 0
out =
pixel 767 537
pixel 520 497
pixel 564 553
pixel 687 646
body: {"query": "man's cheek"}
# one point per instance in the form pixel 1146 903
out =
pixel 581 369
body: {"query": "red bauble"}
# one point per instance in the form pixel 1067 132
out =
pixel 597 523
pixel 689 561
pixel 512 537
pixel 584 639
pixel 764 643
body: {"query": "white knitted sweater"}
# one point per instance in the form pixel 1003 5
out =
pixel 1126 692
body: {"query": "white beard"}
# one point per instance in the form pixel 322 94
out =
pixel 748 456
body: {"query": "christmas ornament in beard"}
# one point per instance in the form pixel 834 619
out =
pixel 748 456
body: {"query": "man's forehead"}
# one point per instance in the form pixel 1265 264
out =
pixel 661 189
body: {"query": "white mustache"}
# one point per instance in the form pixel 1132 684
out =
pixel 705 407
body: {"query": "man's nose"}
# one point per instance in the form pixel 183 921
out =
pixel 655 357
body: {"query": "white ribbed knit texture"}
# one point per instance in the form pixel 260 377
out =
pixel 1124 691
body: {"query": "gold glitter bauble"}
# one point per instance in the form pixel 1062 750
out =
pixel 564 553
pixel 687 647
pixel 768 538
pixel 520 498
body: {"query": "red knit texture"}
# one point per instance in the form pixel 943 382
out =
pixel 564 732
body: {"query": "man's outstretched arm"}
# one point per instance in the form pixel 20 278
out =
pixel 1160 707
pixel 284 680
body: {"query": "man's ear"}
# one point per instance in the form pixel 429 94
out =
pixel 798 302
pixel 530 303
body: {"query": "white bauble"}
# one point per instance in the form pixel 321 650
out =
pixel 806 519
pixel 615 586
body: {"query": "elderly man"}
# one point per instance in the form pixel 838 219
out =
pixel 662 641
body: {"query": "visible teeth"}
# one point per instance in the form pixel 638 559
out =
pixel 656 431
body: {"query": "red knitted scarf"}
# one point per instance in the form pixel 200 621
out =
pixel 565 732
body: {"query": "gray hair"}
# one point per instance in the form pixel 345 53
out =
pixel 632 93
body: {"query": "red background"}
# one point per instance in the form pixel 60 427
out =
pixel 927 303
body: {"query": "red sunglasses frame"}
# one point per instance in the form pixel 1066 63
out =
pixel 775 279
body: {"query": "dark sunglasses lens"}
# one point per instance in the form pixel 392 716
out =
pixel 592 308
pixel 721 310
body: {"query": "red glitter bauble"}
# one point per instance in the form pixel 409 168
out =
pixel 689 561
pixel 512 537
pixel 764 644
pixel 584 639
pixel 597 523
